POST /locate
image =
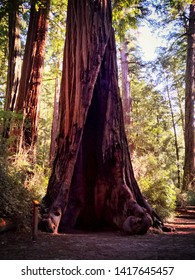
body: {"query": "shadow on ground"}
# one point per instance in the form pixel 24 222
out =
pixel 178 245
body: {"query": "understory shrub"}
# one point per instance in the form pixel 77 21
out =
pixel 156 185
pixel 191 197
pixel 161 195
pixel 20 183
pixel 185 199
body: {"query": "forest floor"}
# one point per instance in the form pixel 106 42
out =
pixel 110 245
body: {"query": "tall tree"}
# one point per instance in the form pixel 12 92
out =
pixel 152 138
pixel 125 18
pixel 55 119
pixel 31 77
pixel 3 59
pixel 182 13
pixel 172 79
pixel 175 134
pixel 92 180
pixel 14 61
pixel 55 46
pixel 189 162
pixel 126 88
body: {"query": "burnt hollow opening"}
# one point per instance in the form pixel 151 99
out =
pixel 92 154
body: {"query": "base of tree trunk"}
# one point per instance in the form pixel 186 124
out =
pixel 92 181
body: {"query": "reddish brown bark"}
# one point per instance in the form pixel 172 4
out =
pixel 189 133
pixel 14 63
pixel 92 181
pixel 30 86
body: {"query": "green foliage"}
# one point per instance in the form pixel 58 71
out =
pixel 156 185
pixel 126 14
pixel 151 119
pixel 10 120
pixel 40 5
pixel 191 197
pixel 152 138
pixel 15 201
pixel 152 143
pixel 45 121
pixel 56 34
pixel 3 56
pixel 174 7
pixel 185 199
pixel 20 183
pixel 10 115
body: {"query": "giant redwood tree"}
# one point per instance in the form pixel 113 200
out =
pixel 92 181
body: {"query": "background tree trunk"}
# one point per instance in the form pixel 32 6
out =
pixel 126 89
pixel 92 181
pixel 175 135
pixel 14 62
pixel 189 162
pixel 55 118
pixel 30 86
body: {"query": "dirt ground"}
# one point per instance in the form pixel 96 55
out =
pixel 110 245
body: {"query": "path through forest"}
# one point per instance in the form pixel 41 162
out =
pixel 178 245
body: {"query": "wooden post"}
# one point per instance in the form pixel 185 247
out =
pixel 35 220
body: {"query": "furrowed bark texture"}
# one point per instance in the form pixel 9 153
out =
pixel 92 181
pixel 14 63
pixel 30 86
pixel 189 162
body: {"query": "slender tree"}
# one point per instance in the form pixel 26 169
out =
pixel 183 15
pixel 175 134
pixel 92 180
pixel 31 77
pixel 126 88
pixel 55 118
pixel 177 11
pixel 189 162
pixel 126 15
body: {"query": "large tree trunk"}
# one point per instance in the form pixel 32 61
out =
pixel 30 86
pixel 14 63
pixel 92 181
pixel 189 162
